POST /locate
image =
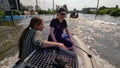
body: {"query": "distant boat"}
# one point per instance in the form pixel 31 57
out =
pixel 74 14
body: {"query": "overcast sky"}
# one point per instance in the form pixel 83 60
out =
pixel 71 4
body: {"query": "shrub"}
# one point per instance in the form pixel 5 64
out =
pixel 46 12
pixel 104 11
pixel 91 12
pixel 17 12
pixel 2 13
pixel 115 12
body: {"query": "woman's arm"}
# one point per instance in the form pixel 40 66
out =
pixel 50 44
pixel 52 34
pixel 43 43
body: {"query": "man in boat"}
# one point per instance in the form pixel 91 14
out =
pixel 74 14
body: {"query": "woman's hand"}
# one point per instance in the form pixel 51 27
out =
pixel 62 46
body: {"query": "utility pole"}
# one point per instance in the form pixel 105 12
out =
pixel 53 8
pixel 36 5
pixel 97 9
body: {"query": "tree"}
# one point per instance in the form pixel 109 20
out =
pixel 115 12
pixel 24 7
pixel 117 6
pixel 2 13
pixel 103 7
pixel 65 6
pixel 57 8
pixel 30 8
pixel 49 11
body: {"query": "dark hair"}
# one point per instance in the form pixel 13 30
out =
pixel 61 10
pixel 34 21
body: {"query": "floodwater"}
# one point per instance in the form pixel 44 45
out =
pixel 102 36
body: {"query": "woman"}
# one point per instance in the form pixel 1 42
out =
pixel 57 26
pixel 31 39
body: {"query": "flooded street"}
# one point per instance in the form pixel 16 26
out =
pixel 102 38
pixel 8 45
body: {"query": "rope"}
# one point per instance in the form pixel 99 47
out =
pixel 89 55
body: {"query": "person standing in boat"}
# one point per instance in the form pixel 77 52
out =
pixel 57 27
pixel 74 14
pixel 31 39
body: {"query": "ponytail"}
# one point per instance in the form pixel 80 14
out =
pixel 34 21
pixel 21 40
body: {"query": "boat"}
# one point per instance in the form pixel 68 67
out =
pixel 56 57
pixel 82 51
pixel 74 14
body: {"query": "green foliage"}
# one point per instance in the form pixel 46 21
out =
pixel 104 11
pixel 17 12
pixel 24 8
pixel 49 11
pixel 101 8
pixel 2 13
pixel 57 8
pixel 42 12
pixel 65 6
pixel 111 11
pixel 91 12
pixel 118 13
pixel 115 12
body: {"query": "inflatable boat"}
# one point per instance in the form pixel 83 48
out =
pixel 56 57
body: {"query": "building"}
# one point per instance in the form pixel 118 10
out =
pixel 8 5
pixel 86 10
pixel 4 5
pixel 92 9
